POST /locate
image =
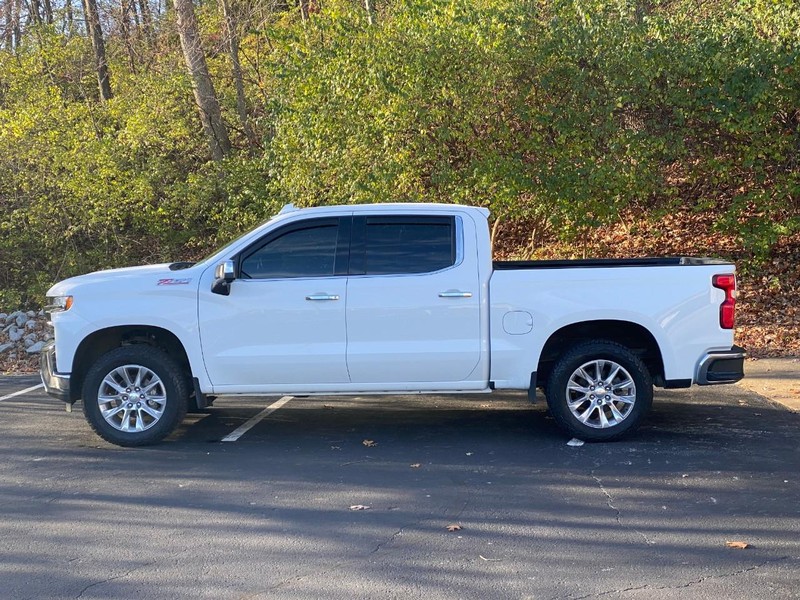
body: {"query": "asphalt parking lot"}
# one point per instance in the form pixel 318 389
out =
pixel 269 515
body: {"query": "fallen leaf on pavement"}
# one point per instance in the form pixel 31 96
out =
pixel 737 545
pixel 482 557
pixel 415 466
pixel 359 507
pixel 575 443
pixel 454 527
pixel 369 443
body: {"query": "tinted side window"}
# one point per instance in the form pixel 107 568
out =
pixel 408 245
pixel 305 252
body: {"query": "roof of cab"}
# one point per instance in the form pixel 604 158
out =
pixel 385 207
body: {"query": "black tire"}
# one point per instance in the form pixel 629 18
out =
pixel 577 409
pixel 146 409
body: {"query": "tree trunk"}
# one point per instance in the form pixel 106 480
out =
pixel 370 11
pixel 147 18
pixel 125 28
pixel 204 94
pixel 133 8
pixel 17 29
pixel 99 47
pixel 48 12
pixel 35 10
pixel 8 18
pixel 70 19
pixel 236 68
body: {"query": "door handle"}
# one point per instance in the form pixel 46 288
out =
pixel 455 294
pixel 322 297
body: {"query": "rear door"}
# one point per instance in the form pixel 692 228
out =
pixel 413 312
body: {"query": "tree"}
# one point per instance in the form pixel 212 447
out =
pixel 99 47
pixel 8 32
pixel 232 35
pixel 204 94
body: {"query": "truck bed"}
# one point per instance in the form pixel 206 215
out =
pixel 669 261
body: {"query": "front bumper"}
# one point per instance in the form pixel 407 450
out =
pixel 723 366
pixel 56 384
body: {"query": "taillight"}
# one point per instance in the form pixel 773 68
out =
pixel 727 310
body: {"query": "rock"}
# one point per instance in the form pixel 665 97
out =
pixel 4 347
pixel 30 314
pixel 9 328
pixel 14 335
pixel 22 318
pixel 41 313
pixel 37 347
pixel 31 337
pixel 3 317
pixel 30 324
pixel 28 342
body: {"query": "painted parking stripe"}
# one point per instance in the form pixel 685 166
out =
pixel 19 393
pixel 240 431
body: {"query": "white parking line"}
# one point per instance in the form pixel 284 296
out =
pixel 240 431
pixel 19 393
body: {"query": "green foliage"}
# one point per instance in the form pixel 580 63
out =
pixel 563 111
pixel 423 106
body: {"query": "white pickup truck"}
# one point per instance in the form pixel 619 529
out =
pixel 386 299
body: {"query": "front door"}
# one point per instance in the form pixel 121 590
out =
pixel 284 320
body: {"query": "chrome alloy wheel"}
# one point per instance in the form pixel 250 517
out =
pixel 132 398
pixel 601 393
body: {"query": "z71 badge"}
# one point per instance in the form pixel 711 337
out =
pixel 174 281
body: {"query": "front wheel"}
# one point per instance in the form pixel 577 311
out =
pixel 599 391
pixel 134 395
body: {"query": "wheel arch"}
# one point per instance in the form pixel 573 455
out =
pixel 104 340
pixel 633 336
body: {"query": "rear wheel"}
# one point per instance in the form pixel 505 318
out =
pixel 135 395
pixel 599 391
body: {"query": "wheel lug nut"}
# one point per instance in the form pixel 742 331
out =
pixel 591 396
pixel 138 405
pixel 608 397
pixel 130 405
pixel 141 396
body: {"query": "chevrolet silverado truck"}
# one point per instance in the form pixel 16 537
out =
pixel 386 299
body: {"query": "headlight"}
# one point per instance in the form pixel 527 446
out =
pixel 58 303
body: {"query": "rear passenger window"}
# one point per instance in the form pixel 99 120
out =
pixel 408 245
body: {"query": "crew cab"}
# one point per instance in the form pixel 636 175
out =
pixel 386 299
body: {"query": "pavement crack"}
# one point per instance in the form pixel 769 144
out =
pixel 724 575
pixel 618 513
pixel 123 575
pixel 96 583
pixel 298 578
pixel 688 584
pixel 390 539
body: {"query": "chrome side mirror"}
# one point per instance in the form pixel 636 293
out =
pixel 224 274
